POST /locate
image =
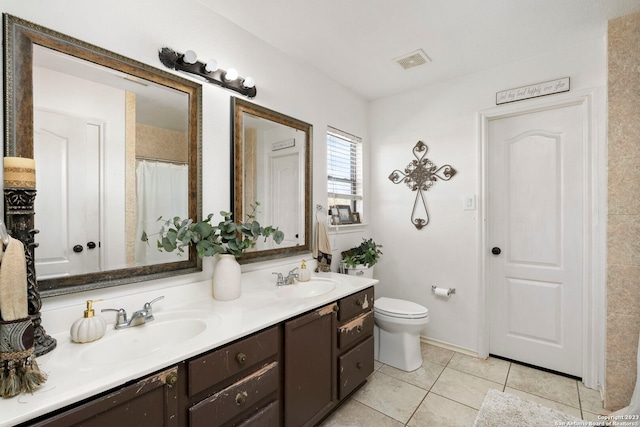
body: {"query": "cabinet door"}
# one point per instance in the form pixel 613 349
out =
pixel 149 402
pixel 310 366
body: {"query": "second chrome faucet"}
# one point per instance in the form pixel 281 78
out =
pixel 139 317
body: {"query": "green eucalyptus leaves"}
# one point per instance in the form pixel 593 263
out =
pixel 228 237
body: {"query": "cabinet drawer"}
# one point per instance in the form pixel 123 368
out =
pixel 355 304
pixel 354 367
pixel 355 330
pixel 210 369
pixel 246 395
pixel 265 417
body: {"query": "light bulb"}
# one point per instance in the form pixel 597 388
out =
pixel 231 74
pixel 212 65
pixel 249 82
pixel 190 57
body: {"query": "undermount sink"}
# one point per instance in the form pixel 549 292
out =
pixel 313 288
pixel 167 330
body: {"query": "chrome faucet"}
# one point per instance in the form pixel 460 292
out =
pixel 289 280
pixel 139 317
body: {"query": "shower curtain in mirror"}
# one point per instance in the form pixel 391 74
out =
pixel 161 190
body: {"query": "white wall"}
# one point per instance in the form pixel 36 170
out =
pixel 445 116
pixel 137 29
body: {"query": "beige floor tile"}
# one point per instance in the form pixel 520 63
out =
pixel 354 414
pixel 435 354
pixel 377 365
pixel 545 402
pixel 590 400
pixel 423 377
pixel 463 388
pixel 438 411
pixel 390 396
pixel 544 384
pixel 491 369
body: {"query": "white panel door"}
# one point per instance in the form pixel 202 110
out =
pixel 535 219
pixel 67 211
pixel 285 196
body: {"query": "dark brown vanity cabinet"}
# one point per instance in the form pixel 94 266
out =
pixel 309 366
pixel 291 374
pixel 152 401
pixel 236 385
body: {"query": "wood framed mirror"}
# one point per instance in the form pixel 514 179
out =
pixel 272 166
pixel 125 114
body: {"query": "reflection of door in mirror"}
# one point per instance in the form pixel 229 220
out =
pixel 94 170
pixel 273 158
pixel 67 146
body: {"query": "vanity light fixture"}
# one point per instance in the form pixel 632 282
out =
pixel 209 71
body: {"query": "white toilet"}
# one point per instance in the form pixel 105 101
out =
pixel 398 324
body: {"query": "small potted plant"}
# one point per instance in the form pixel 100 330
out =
pixel 228 240
pixel 359 261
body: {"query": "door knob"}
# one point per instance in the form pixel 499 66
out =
pixel 77 248
pixel 496 251
pixel 91 245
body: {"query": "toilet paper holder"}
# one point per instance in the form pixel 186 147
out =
pixel 449 291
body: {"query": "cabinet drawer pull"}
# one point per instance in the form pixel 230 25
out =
pixel 336 308
pixel 359 328
pixel 171 379
pixel 241 358
pixel 360 302
pixel 241 398
pixel 359 365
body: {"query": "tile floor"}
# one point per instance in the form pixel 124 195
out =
pixel 449 388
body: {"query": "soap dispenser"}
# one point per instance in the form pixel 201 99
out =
pixel 304 274
pixel 89 327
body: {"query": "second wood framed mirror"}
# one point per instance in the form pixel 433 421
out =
pixel 272 165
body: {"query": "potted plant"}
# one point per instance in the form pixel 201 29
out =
pixel 360 260
pixel 228 240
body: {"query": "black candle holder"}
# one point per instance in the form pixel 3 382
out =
pixel 20 225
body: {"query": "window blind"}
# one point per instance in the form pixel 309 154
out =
pixel 344 166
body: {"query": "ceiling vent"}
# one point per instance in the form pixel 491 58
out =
pixel 412 59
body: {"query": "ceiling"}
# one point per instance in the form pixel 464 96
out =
pixel 355 42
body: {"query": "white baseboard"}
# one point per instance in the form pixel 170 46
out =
pixel 449 346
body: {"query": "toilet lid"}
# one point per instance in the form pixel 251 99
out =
pixel 399 308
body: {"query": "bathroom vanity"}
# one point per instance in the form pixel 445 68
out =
pixel 274 357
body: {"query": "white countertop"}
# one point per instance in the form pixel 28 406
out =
pixel 77 371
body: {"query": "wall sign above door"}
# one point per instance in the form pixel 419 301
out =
pixel 419 175
pixel 533 91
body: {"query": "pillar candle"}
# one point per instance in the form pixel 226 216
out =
pixel 19 172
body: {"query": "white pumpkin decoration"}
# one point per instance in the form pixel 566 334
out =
pixel 90 327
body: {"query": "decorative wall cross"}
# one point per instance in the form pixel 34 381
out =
pixel 419 175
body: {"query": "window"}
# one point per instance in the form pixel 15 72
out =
pixel 344 169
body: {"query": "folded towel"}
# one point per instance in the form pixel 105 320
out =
pixel 19 371
pixel 322 247
pixel 13 282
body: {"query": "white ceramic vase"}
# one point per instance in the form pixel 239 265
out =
pixel 226 278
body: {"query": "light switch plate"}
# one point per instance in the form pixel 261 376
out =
pixel 469 203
